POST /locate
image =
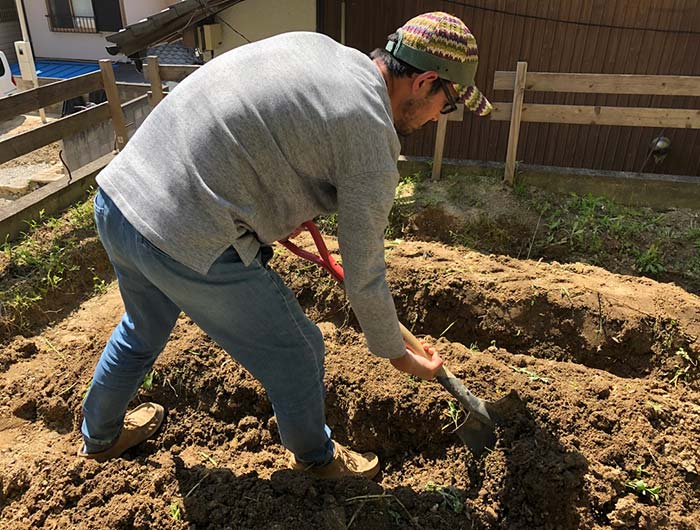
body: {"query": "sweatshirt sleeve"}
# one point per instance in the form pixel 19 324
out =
pixel 364 202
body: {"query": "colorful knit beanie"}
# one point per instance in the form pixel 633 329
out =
pixel 442 43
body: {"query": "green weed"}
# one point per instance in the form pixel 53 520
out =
pixel 532 375
pixel 413 178
pixel 640 487
pixel 454 413
pixel 40 261
pixel 328 224
pixel 682 370
pixel 147 384
pixel 650 261
pixel 175 512
pixel 399 217
pixel 208 458
pixel 520 190
pixel 449 494
pixel 99 286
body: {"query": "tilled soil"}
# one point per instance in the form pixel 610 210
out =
pixel 605 367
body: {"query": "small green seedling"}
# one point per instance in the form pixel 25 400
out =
pixel 449 495
pixel 685 355
pixel 396 517
pixel 175 511
pixel 682 371
pixel 148 381
pixel 532 375
pixel 454 413
pixel 99 286
pixel 658 407
pixel 642 488
pixel 205 456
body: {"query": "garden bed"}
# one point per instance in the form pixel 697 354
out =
pixel 606 437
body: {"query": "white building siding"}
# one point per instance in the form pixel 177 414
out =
pixel 86 46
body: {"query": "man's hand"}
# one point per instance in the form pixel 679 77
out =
pixel 416 364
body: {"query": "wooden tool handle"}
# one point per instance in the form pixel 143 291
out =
pixel 413 344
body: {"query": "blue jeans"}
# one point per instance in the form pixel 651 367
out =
pixel 248 311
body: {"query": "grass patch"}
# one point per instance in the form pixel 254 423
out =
pixel 55 263
pixel 527 222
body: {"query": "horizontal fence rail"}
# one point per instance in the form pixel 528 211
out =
pixel 29 141
pixel 59 194
pixel 46 95
pixel 176 72
pixel 587 115
pixel 522 81
pixel 655 85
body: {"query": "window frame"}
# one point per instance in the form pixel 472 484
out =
pixel 85 24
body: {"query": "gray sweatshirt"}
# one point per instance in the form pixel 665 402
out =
pixel 256 142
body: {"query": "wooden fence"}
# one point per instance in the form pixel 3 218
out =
pixel 520 81
pixel 58 195
pixel 649 37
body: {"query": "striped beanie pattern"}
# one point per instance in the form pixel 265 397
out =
pixel 446 37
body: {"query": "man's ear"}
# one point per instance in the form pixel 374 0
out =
pixel 421 81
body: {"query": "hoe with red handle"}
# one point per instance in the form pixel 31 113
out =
pixel 477 431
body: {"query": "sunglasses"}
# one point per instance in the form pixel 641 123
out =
pixel 450 106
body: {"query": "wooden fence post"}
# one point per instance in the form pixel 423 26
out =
pixel 439 146
pixel 153 69
pixel 115 107
pixel 514 133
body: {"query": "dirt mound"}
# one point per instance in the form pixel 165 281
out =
pixel 605 367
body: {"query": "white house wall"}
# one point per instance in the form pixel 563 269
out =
pixel 86 46
pixel 258 19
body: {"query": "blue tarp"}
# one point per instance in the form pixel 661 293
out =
pixel 60 69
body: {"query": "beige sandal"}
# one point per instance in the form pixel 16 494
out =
pixel 139 425
pixel 345 463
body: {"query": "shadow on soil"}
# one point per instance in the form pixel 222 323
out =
pixel 533 482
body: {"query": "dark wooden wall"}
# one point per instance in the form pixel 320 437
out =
pixel 508 31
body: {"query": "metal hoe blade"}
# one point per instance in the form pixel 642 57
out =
pixel 478 431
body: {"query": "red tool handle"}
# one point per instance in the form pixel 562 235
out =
pixel 325 260
pixel 328 262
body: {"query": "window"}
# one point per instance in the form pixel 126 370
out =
pixel 84 16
